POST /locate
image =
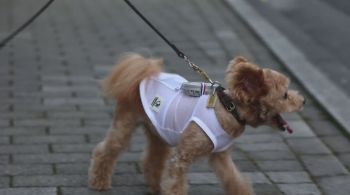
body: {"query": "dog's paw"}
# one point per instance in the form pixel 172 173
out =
pixel 99 184
pixel 151 191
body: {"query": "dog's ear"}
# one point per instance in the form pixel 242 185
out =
pixel 245 81
pixel 239 59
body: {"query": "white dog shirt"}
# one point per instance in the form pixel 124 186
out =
pixel 170 111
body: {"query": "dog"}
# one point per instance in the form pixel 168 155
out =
pixel 260 95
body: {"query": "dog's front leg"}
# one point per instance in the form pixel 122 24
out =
pixel 193 144
pixel 174 180
pixel 233 182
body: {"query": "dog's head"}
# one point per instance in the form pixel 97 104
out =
pixel 261 94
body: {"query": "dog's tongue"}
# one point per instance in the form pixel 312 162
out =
pixel 282 124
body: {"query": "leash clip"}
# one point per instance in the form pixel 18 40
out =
pixel 231 108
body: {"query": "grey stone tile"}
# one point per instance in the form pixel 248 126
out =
pixel 289 177
pixel 24 149
pixel 272 155
pixel 202 178
pixel 22 131
pixel 75 148
pixel 205 190
pixel 308 146
pixel 127 190
pixel 280 165
pixel 323 165
pixel 44 139
pixel 335 185
pixel 259 147
pixel 11 170
pixel 293 189
pixel 260 138
pixel 4 159
pixel 128 180
pixel 266 189
pixel 324 127
pixel 51 158
pixel 29 191
pixel 49 181
pixel 4 182
pixel 257 177
pixel 338 144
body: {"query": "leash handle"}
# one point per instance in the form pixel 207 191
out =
pixel 178 52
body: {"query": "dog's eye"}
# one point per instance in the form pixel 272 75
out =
pixel 285 95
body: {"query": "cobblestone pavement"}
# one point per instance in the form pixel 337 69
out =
pixel 52 112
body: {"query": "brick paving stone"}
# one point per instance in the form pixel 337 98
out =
pixel 205 190
pixel 49 139
pixel 79 114
pixel 128 180
pixel 266 189
pixel 256 177
pixel 28 191
pixel 272 155
pixel 22 131
pixel 202 178
pixel 280 165
pixel 11 170
pixel 323 165
pixel 260 138
pixel 4 140
pixel 82 168
pixel 345 159
pixel 293 189
pixel 259 147
pixel 308 146
pixel 335 185
pixel 45 123
pixel 49 180
pixel 4 182
pixel 125 190
pixel 24 149
pixel 73 147
pixel 4 159
pixel 79 130
pixel 323 127
pixel 51 158
pixel 4 123
pixel 338 144
pixel 289 177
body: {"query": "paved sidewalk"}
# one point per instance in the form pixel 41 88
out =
pixel 52 112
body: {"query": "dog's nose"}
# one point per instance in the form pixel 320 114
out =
pixel 304 102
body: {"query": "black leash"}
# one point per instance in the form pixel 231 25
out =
pixel 225 99
pixel 24 25
pixel 177 51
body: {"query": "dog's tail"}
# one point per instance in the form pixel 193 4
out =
pixel 124 80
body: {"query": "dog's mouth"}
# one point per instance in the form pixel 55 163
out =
pixel 281 123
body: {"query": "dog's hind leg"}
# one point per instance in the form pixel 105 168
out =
pixel 106 152
pixel 155 157
pixel 231 179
